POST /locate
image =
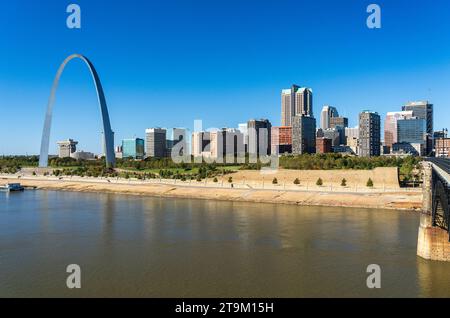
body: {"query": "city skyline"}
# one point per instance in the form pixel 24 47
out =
pixel 225 156
pixel 370 72
pixel 332 126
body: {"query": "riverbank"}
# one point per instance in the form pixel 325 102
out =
pixel 396 200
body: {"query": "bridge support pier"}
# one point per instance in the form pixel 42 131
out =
pixel 433 242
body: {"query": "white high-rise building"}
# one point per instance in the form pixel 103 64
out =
pixel 243 128
pixel 200 143
pixel 327 113
pixel 155 142
pixel 390 126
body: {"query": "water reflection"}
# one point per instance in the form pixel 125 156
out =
pixel 157 247
pixel 433 278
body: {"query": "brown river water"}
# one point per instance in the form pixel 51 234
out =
pixel 130 246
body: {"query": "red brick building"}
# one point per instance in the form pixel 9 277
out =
pixel 281 138
pixel 323 145
pixel 442 147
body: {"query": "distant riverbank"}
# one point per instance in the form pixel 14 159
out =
pixel 345 197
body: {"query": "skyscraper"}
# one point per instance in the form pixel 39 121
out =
pixel 178 140
pixel 327 113
pixel 369 134
pixel 412 130
pixel 226 144
pixel 337 121
pixel 133 148
pixel 303 135
pixel 390 126
pixel 200 143
pixel 412 133
pixel 339 124
pixel 156 142
pixel 259 135
pixel 243 128
pixel 295 101
pixel 423 110
pixel 304 102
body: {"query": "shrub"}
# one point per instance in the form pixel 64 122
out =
pixel 199 179
pixel 275 181
pixel 319 182
pixel 296 181
pixel 344 182
pixel 369 183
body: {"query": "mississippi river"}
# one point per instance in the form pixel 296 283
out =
pixel 131 246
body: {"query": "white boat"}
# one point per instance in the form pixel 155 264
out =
pixel 11 187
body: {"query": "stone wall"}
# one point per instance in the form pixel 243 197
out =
pixel 433 242
pixel 382 177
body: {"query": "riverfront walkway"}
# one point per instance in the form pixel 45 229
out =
pixel 224 184
pixel 314 196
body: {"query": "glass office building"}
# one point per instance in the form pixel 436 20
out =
pixel 412 136
pixel 412 131
pixel 423 110
pixel 133 148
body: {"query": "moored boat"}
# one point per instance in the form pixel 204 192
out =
pixel 11 187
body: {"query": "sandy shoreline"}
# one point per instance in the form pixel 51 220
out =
pixel 395 200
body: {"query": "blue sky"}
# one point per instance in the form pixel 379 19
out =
pixel 167 63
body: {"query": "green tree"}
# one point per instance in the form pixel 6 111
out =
pixel 275 181
pixel 319 182
pixel 369 183
pixel 215 180
pixel 297 181
pixel 344 182
pixel 230 180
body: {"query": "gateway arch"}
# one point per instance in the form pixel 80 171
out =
pixel 108 134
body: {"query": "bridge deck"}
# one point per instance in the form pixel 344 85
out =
pixel 442 166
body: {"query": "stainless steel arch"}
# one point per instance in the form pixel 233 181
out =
pixel 108 134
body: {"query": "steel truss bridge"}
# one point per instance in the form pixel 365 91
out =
pixel 441 193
